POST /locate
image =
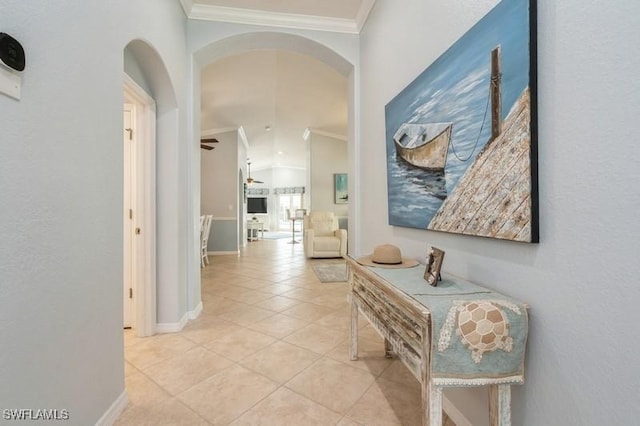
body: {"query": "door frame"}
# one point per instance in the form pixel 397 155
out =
pixel 144 207
pixel 128 235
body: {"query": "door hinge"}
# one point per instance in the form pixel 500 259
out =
pixel 130 293
pixel 130 214
pixel 130 131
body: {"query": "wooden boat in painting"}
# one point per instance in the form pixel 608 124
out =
pixel 424 145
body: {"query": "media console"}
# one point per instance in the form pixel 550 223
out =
pixel 253 227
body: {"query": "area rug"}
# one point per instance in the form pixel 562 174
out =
pixel 331 272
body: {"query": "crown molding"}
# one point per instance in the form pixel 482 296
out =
pixel 241 134
pixel 243 138
pixel 187 5
pixel 276 19
pixel 217 131
pixel 329 134
pixel 363 13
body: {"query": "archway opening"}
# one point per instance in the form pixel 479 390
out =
pixel 261 41
pixel 153 212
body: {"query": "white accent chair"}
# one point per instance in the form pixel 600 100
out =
pixel 205 229
pixel 322 235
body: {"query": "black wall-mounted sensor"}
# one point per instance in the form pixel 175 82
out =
pixel 11 52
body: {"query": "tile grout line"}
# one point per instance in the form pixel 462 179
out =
pixel 304 282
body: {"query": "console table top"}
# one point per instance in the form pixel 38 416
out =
pixel 478 336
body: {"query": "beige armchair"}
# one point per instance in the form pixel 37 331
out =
pixel 322 236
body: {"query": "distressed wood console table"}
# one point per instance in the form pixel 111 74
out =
pixel 406 323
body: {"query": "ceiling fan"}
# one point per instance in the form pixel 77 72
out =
pixel 204 142
pixel 251 180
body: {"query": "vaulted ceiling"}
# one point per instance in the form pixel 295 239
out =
pixel 276 95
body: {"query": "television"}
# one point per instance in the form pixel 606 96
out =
pixel 257 205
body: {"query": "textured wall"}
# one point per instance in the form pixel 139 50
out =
pixel 328 156
pixel 61 185
pixel 219 177
pixel 581 280
pixel 223 237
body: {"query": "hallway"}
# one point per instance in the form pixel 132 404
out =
pixel 270 348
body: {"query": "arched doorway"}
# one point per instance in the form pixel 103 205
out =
pixel 147 86
pixel 247 42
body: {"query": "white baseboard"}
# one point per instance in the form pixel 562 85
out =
pixel 196 312
pixel 174 327
pixel 112 414
pixel 454 414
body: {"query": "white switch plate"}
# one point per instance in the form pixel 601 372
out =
pixel 10 83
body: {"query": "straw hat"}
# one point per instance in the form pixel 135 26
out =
pixel 387 256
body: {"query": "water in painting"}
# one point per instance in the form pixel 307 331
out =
pixel 341 189
pixel 455 88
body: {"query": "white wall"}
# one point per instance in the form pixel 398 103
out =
pixel 287 177
pixel 219 192
pixel 328 156
pixel 219 177
pixel 61 216
pixel 582 279
pixel 263 175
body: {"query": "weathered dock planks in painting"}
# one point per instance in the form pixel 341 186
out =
pixel 493 198
pixel 493 193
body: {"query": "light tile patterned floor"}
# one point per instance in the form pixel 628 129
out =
pixel 270 348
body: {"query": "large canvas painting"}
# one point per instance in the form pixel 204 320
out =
pixel 462 137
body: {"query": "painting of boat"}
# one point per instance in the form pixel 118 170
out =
pixel 424 145
pixel 478 176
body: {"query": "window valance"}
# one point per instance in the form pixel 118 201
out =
pixel 289 190
pixel 257 191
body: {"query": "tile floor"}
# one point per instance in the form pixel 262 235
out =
pixel 270 348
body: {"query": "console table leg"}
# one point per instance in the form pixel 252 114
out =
pixel 431 395
pixel 435 406
pixel 431 405
pixel 353 345
pixel 500 405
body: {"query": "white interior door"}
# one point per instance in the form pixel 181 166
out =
pixel 129 225
pixel 139 212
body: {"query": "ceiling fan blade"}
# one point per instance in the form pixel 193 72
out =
pixel 211 140
pixel 257 181
pixel 208 148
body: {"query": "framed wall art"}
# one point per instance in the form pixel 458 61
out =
pixel 341 188
pixel 435 257
pixel 461 138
